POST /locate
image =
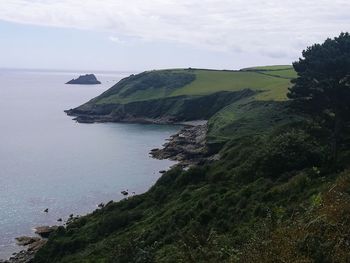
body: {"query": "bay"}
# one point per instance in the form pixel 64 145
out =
pixel 49 161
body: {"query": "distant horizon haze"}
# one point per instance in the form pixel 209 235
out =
pixel 131 71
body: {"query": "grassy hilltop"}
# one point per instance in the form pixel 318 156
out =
pixel 273 81
pixel 271 196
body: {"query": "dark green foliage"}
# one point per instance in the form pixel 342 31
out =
pixel 273 156
pixel 319 234
pixel 192 176
pixel 323 75
pixel 114 221
pixel 322 87
pixel 292 150
pixel 204 213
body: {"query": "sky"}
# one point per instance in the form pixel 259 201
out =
pixel 152 34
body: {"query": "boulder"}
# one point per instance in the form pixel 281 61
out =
pixel 45 231
pixel 37 245
pixel 24 240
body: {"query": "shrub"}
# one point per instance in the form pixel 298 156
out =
pixel 293 150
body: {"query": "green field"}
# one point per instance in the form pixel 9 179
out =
pixel 272 82
pixel 270 68
pixel 207 81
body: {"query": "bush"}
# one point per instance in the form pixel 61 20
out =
pixel 290 151
pixel 192 176
pixel 113 222
pixel 287 152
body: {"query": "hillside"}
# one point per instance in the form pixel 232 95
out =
pixel 168 96
pixel 271 196
pixel 273 81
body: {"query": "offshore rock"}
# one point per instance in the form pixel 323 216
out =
pixel 88 79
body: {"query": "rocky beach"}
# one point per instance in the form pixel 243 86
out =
pixel 187 147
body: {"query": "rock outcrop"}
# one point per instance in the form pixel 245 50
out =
pixel 24 240
pixel 45 231
pixel 188 146
pixel 26 256
pixel 88 79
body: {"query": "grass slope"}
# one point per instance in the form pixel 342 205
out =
pixel 197 82
pixel 209 81
pixel 249 118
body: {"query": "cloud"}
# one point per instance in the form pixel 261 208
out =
pixel 274 28
pixel 116 40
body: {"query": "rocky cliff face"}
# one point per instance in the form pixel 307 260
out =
pixel 88 79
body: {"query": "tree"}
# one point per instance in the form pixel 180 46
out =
pixel 322 87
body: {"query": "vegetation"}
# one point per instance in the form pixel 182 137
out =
pixel 146 86
pixel 272 83
pixel 184 94
pixel 322 87
pixel 209 81
pixel 272 196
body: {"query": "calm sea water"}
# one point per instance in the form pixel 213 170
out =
pixel 49 161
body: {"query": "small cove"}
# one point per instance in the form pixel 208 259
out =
pixel 49 161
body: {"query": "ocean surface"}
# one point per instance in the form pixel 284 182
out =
pixel 47 160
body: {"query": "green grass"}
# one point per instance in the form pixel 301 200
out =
pixel 208 81
pixel 249 118
pixel 272 81
pixel 142 95
pixel 274 67
pixel 148 85
pixel 284 73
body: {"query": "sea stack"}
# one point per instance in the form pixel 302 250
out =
pixel 88 79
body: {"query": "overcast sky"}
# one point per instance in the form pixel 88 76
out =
pixel 150 34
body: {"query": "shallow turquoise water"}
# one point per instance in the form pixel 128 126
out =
pixel 49 161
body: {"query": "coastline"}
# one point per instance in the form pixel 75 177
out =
pixel 187 147
pixel 31 246
pixel 93 118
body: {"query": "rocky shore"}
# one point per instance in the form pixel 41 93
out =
pixel 126 118
pixel 31 245
pixel 188 146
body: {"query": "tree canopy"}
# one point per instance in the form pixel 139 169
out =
pixel 322 87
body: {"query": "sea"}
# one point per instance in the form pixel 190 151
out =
pixel 49 161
